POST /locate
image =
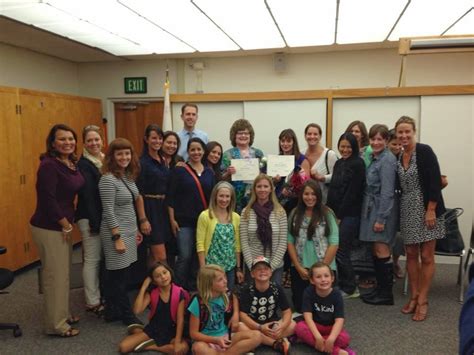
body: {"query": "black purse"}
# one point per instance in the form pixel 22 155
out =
pixel 453 242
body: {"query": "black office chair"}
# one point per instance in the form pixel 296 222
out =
pixel 6 279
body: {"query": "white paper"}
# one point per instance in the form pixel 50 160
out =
pixel 245 169
pixel 281 165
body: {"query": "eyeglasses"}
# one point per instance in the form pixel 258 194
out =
pixel 242 134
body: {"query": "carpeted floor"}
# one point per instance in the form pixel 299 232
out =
pixel 374 330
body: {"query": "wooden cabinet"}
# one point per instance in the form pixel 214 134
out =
pixel 26 116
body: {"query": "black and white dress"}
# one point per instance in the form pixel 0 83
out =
pixel 118 211
pixel 412 209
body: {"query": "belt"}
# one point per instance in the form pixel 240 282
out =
pixel 156 197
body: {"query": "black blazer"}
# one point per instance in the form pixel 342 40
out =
pixel 347 187
pixel 429 174
pixel 89 205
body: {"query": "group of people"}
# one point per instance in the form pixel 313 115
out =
pixel 206 232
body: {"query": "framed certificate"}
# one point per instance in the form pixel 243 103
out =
pixel 245 169
pixel 281 165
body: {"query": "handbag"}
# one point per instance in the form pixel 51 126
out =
pixel 452 243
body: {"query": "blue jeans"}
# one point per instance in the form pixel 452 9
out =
pixel 348 230
pixel 230 279
pixel 186 264
pixel 277 276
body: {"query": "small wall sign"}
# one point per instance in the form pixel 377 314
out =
pixel 135 85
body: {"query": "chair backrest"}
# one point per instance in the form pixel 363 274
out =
pixel 453 243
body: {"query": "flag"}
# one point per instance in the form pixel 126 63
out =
pixel 167 121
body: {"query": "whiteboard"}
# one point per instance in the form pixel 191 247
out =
pixel 371 111
pixel 269 118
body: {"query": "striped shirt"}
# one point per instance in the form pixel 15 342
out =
pixel 252 246
pixel 118 211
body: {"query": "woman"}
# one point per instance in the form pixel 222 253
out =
pixel 169 149
pixel 378 224
pixel 358 129
pixel 263 227
pixel 188 195
pixel 321 159
pixel 58 181
pixel 217 235
pixel 89 215
pixel 118 230
pixel 312 237
pixel 345 199
pixel 152 184
pixel 421 213
pixel 213 159
pixel 287 190
pixel 242 136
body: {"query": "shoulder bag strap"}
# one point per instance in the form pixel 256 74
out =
pixel 133 201
pixel 198 185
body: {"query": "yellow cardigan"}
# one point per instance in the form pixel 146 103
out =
pixel 205 230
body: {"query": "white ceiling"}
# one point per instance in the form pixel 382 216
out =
pixel 97 30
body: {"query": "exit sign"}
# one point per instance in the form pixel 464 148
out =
pixel 135 85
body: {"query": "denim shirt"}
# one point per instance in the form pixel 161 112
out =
pixel 380 186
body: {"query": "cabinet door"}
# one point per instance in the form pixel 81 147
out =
pixel 12 201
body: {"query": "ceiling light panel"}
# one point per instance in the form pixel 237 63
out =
pixel 429 17
pixel 247 22
pixel 465 26
pixel 185 21
pixel 305 22
pixel 364 21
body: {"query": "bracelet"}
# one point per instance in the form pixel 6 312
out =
pixel 69 230
pixel 143 220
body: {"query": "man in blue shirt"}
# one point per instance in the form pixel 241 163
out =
pixel 189 115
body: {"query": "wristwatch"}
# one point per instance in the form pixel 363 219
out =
pixel 115 237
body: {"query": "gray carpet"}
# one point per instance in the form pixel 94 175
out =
pixel 374 330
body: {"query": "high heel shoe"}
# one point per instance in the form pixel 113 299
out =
pixel 410 307
pixel 421 312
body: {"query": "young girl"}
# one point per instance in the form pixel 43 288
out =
pixel 312 236
pixel 164 332
pixel 211 333
pixel 323 311
pixel 217 234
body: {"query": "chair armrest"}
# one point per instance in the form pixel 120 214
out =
pixel 3 250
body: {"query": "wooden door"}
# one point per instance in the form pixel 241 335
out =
pixel 12 201
pixel 131 120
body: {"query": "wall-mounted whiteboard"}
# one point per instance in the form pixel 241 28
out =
pixel 269 118
pixel 371 111
pixel 213 118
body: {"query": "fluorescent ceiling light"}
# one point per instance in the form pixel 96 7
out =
pixel 305 22
pixel 367 20
pixel 185 21
pixel 465 26
pixel 247 22
pixel 429 17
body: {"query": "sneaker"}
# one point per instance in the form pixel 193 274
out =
pixel 355 294
pixel 282 345
pixel 143 345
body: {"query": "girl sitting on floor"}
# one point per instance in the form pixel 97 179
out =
pixel 164 332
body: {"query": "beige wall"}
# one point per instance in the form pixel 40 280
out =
pixel 30 70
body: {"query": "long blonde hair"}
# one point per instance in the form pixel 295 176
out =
pixel 213 200
pixel 253 197
pixel 206 276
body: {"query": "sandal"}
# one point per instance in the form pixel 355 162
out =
pixel 71 332
pixel 410 306
pixel 97 310
pixel 73 320
pixel 419 315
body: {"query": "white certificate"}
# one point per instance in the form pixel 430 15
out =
pixel 245 169
pixel 281 165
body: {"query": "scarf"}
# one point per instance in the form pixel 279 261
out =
pixel 264 228
pixel 94 160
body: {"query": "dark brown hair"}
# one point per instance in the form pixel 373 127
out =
pixel 215 167
pixel 364 139
pixel 50 150
pixel 241 125
pixel 187 104
pixel 380 129
pixel 111 166
pixel 290 135
pixel 152 127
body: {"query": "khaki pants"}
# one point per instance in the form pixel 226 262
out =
pixel 55 254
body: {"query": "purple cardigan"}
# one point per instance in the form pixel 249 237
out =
pixel 56 188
